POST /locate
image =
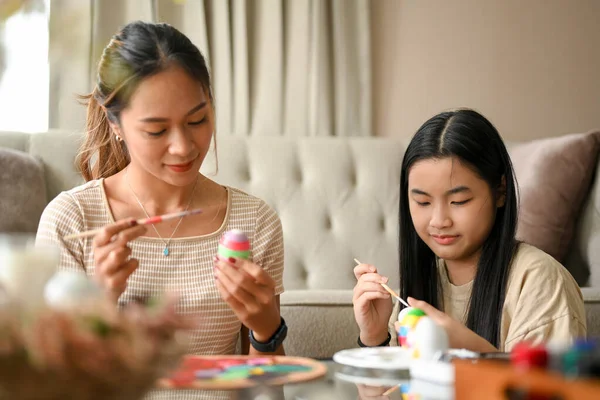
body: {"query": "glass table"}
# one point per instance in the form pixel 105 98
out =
pixel 340 382
pixel 344 382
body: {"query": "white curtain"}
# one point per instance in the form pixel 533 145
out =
pixel 279 67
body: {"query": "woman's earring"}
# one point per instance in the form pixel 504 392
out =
pixel 119 138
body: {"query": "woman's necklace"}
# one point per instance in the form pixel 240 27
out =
pixel 166 250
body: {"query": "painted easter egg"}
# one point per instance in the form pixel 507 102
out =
pixel 234 243
pixel 403 313
pixel 407 321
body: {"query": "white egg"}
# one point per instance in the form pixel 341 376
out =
pixel 25 270
pixel 429 339
pixel 68 290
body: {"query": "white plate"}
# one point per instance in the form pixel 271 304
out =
pixel 370 381
pixel 396 358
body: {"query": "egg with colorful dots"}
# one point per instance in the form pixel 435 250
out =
pixel 407 321
pixel 234 243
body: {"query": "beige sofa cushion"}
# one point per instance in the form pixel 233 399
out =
pixel 554 177
pixel 22 191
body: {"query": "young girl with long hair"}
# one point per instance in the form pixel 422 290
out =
pixel 459 259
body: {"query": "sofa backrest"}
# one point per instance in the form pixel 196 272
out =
pixel 337 198
pixel 56 150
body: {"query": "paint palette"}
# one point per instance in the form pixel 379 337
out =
pixel 237 372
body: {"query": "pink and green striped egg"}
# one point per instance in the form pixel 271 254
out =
pixel 234 243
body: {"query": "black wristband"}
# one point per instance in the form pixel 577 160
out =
pixel 385 343
pixel 273 343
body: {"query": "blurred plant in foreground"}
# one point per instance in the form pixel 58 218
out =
pixel 95 353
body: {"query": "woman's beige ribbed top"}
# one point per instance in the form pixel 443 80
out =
pixel 188 268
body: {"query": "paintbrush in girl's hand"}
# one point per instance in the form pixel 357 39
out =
pixel 389 290
pixel 144 221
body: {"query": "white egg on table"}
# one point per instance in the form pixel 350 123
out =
pixel 68 290
pixel 25 269
pixel 429 339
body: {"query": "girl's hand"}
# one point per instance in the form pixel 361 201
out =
pixel 111 256
pixel 372 305
pixel 250 292
pixel 459 336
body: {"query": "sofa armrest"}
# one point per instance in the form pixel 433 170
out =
pixel 321 298
pixel 591 297
pixel 320 322
pixel 591 294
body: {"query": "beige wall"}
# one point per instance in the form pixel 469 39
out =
pixel 532 67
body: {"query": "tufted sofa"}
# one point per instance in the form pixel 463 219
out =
pixel 337 199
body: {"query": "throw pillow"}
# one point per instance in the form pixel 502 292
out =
pixel 22 191
pixel 554 176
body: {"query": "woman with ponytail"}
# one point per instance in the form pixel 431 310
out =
pixel 150 123
pixel 99 141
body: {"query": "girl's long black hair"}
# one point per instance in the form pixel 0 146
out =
pixel 470 137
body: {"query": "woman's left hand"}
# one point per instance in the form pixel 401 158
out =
pixel 250 292
pixel 459 336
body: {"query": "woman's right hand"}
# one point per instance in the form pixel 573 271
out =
pixel 372 305
pixel 111 256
